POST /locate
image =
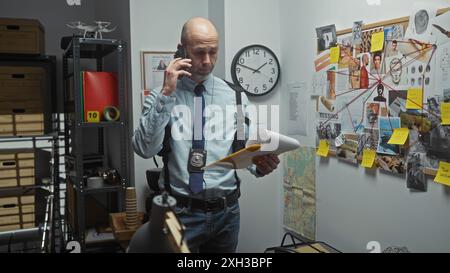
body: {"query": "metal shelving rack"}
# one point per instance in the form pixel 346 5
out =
pixel 51 230
pixel 80 49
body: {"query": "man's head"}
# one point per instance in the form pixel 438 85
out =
pixel 394 45
pixel 201 42
pixel 377 60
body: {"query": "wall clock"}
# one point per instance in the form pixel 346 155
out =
pixel 256 69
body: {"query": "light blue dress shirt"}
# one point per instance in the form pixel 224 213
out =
pixel 220 128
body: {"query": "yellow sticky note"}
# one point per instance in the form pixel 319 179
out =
pixel 335 53
pixel 377 42
pixel 399 136
pixel 368 158
pixel 324 148
pixel 445 113
pixel 93 116
pixel 443 175
pixel 415 99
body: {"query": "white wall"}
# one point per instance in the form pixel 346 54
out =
pixel 256 22
pixel 355 206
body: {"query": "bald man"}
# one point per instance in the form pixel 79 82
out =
pixel 173 125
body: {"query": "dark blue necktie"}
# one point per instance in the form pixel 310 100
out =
pixel 198 138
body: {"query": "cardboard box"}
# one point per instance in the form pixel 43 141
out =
pixel 22 36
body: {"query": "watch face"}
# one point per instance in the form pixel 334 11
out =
pixel 256 69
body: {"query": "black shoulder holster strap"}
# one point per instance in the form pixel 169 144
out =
pixel 238 141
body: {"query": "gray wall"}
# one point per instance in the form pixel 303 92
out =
pixel 355 206
pixel 118 12
pixel 53 15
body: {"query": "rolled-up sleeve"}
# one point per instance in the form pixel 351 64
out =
pixel 149 135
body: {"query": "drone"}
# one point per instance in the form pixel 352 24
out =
pixel 92 30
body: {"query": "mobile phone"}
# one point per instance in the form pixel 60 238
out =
pixel 181 52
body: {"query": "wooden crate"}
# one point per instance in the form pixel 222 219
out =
pixel 22 36
pixel 23 167
pixel 25 101
pixel 17 212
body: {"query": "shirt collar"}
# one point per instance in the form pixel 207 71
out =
pixel 190 85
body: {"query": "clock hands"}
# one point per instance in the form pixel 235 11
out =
pixel 258 70
pixel 254 71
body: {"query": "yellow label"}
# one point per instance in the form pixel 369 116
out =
pixel 443 175
pixel 335 53
pixel 377 42
pixel 324 148
pixel 399 136
pixel 445 113
pixel 415 99
pixel 93 116
pixel 368 158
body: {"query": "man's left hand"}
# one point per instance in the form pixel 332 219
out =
pixel 266 164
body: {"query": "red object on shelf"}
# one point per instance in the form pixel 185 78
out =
pixel 100 89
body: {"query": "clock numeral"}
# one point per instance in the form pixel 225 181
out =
pixel 242 61
pixel 247 54
pixel 256 90
pixel 265 87
pixel 265 54
pixel 238 70
pixel 273 71
pixel 271 80
pixel 256 51
pixel 241 80
pixel 271 61
pixel 248 86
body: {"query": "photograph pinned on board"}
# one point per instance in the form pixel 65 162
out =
pixel 415 176
pixel 357 32
pixel 331 83
pixel 437 141
pixel 346 58
pixel 328 127
pixel 352 114
pixel 420 22
pixel 377 69
pixel 397 102
pixel 419 127
pixel 348 151
pixel 366 43
pixel 419 75
pixel 447 95
pixel 368 140
pixel 393 36
pixel 372 113
pixel 387 126
pixel 442 71
pixel 392 164
pixel 319 84
pixel 326 37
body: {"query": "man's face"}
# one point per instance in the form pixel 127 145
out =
pixel 202 49
pixel 394 46
pixel 377 61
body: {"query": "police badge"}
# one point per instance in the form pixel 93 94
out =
pixel 197 160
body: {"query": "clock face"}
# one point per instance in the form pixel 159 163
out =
pixel 256 69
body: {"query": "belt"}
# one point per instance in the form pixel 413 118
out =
pixel 209 205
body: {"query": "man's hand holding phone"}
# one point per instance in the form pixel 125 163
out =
pixel 176 69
